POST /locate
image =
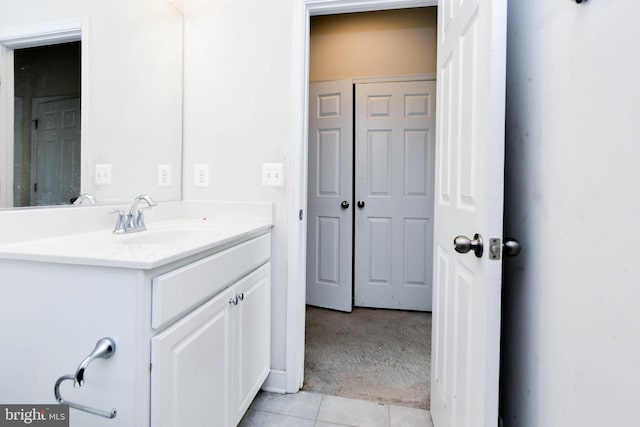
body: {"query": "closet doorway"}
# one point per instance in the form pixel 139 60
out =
pixel 371 147
pixel 370 195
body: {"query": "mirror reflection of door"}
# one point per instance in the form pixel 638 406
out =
pixel 47 124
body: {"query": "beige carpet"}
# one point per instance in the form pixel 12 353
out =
pixel 380 355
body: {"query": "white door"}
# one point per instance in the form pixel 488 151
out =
pixel 55 164
pixel 330 224
pixel 468 200
pixel 395 136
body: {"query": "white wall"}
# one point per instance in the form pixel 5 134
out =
pixel 572 298
pixel 238 115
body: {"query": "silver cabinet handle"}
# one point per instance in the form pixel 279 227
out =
pixel 236 298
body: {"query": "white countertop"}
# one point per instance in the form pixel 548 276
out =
pixel 163 242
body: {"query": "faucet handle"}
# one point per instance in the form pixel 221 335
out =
pixel 120 227
pixel 140 218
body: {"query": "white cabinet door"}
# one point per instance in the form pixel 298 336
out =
pixel 330 225
pixel 189 373
pixel 252 332
pixel 208 367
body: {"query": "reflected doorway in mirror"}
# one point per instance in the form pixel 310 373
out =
pixel 47 132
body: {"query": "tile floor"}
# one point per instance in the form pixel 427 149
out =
pixel 305 409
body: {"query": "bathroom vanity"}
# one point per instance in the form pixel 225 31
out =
pixel 187 304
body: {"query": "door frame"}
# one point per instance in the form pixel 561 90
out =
pixel 291 379
pixel 33 36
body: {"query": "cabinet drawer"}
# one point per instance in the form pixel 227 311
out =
pixel 177 292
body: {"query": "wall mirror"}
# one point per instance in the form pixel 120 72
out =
pixel 91 101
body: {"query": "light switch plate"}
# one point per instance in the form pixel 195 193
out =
pixel 102 174
pixel 164 175
pixel 272 174
pixel 201 175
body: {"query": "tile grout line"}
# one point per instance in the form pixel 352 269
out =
pixel 283 415
pixel 319 406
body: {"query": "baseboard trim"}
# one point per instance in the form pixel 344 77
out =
pixel 275 382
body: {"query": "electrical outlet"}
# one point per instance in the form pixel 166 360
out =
pixel 164 175
pixel 102 174
pixel 272 175
pixel 201 175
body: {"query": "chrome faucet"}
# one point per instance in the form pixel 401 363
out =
pixel 104 349
pixel 135 219
pixel 85 196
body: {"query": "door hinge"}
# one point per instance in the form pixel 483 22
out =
pixel 300 214
pixel 35 187
pixel 35 124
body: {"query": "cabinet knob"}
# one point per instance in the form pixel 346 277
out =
pixel 236 298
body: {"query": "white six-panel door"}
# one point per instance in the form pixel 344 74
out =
pixel 330 183
pixel 395 138
pixel 469 200
pixel 55 165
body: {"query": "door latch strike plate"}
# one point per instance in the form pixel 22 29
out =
pixel 495 248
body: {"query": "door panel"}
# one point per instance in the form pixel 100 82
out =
pixel 394 178
pixel 469 195
pixel 330 226
pixel 56 158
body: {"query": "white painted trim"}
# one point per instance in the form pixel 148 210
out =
pixel 275 382
pixel 390 79
pixel 6 126
pixel 297 245
pixel 32 36
pixel 394 79
pixel 296 256
pixel 330 7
